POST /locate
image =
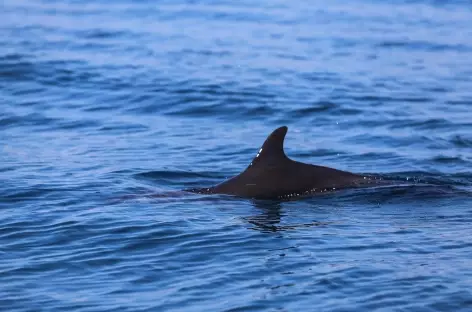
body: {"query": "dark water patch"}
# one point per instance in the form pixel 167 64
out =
pixel 193 88
pixel 460 102
pixel 228 111
pixel 260 111
pixel 30 120
pixel 461 141
pixel 395 142
pixel 436 89
pixel 370 156
pixel 181 178
pixel 12 58
pixel 200 110
pixel 458 179
pixel 322 77
pixel 450 160
pixel 50 73
pixel 325 108
pixel 64 74
pixel 6 169
pixel 383 99
pixel 124 128
pixel 412 192
pixel 77 124
pixel 425 124
pixel 207 53
pixel 266 226
pixel 424 46
pixel 23 195
pixel 292 57
pixel 16 67
pixel 101 108
pixel 173 174
pixel 102 34
pixel 316 108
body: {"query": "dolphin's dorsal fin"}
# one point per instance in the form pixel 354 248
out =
pixel 272 151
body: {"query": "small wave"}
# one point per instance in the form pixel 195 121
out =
pixel 449 160
pixel 14 67
pixel 101 34
pixel 431 123
pixel 461 141
pixel 172 175
pixel 424 46
pixel 324 108
pixel 28 120
pixel 180 179
pixel 458 179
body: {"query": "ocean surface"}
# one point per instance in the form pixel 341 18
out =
pixel 109 108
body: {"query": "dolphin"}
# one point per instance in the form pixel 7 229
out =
pixel 273 175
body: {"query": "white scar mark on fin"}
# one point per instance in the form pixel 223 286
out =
pixel 258 154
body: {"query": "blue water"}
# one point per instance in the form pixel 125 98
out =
pixel 109 107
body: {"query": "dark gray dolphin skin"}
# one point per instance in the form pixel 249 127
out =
pixel 272 175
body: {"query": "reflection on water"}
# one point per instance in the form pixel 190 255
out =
pixel 270 218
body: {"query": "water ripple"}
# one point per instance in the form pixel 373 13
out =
pixel 109 110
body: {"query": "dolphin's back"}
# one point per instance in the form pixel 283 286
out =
pixel 272 174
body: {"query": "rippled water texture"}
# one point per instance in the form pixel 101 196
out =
pixel 109 108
